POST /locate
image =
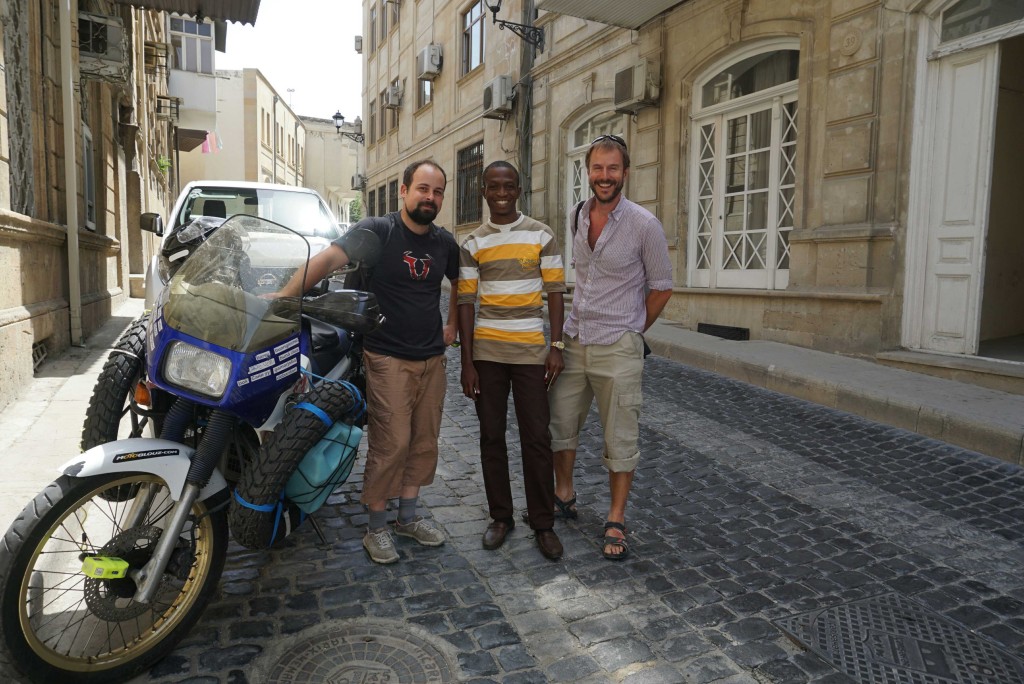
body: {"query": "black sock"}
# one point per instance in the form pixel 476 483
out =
pixel 378 520
pixel 407 510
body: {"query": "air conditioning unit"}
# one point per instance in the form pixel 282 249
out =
pixel 358 182
pixel 638 86
pixel 393 97
pixel 498 97
pixel 102 47
pixel 428 62
pixel 359 45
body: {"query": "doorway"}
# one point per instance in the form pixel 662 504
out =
pixel 1001 333
pixel 965 275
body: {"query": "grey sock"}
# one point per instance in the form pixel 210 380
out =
pixel 407 510
pixel 378 519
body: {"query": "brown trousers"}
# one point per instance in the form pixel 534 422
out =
pixel 404 400
pixel 529 395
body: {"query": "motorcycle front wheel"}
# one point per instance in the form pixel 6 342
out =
pixel 59 625
pixel 109 415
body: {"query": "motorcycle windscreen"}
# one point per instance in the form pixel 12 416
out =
pixel 215 295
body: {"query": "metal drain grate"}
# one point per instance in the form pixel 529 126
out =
pixel 360 651
pixel 38 355
pixel 890 639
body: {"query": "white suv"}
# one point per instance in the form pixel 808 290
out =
pixel 301 209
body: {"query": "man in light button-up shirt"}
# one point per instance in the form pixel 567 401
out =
pixel 623 281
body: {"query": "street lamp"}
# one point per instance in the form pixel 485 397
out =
pixel 357 136
pixel 531 34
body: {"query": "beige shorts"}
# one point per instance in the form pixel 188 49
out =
pixel 613 374
pixel 404 400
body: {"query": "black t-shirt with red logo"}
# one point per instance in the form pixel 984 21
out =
pixel 407 281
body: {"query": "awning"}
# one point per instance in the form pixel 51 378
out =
pixel 190 138
pixel 241 11
pixel 631 15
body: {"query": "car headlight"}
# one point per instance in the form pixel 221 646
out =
pixel 198 370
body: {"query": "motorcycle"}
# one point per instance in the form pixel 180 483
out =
pixel 114 411
pixel 252 394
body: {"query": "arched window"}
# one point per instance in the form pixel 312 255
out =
pixel 577 184
pixel 743 171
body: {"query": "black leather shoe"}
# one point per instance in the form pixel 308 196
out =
pixel 549 544
pixel 496 532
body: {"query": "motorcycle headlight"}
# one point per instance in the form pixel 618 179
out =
pixel 198 370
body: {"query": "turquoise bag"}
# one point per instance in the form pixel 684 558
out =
pixel 324 467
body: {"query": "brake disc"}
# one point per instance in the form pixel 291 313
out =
pixel 111 600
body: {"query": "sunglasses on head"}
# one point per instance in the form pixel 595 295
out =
pixel 614 138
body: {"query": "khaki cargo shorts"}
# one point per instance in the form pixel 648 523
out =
pixel 611 373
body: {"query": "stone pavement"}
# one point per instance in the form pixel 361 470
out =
pixel 749 509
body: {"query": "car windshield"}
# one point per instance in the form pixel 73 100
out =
pixel 303 212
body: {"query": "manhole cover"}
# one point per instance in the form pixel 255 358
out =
pixel 891 639
pixel 361 652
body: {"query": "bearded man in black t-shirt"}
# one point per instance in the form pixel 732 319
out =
pixel 404 359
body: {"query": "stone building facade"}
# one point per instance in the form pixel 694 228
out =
pixel 833 174
pixel 258 137
pixel 86 104
pixel 116 141
pixel 334 166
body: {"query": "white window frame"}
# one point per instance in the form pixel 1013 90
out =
pixel 773 276
pixel 89 177
pixel 194 46
pixel 934 14
pixel 473 36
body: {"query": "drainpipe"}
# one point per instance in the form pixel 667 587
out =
pixel 525 110
pixel 275 137
pixel 142 118
pixel 70 173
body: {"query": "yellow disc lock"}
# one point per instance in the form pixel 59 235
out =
pixel 104 567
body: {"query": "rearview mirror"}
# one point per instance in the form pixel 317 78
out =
pixel 361 245
pixel 152 223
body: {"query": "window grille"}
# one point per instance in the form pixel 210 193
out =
pixel 393 195
pixel 470 167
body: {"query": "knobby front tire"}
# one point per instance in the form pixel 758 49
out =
pixel 108 416
pixel 56 624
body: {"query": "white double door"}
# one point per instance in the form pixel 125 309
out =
pixel 944 303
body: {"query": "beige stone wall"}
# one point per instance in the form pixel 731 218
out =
pixel 34 304
pixel 855 92
pixel 331 161
pixel 452 121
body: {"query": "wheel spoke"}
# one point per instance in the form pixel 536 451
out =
pixel 81 624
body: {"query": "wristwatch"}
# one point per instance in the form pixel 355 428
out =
pixel 558 345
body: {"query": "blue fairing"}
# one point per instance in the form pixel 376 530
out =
pixel 257 378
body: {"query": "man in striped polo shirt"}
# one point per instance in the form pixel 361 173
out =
pixel 506 264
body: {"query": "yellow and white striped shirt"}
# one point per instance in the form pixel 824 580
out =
pixel 507 268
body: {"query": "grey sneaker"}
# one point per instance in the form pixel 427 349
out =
pixel 380 546
pixel 422 531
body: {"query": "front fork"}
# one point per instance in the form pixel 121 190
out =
pixel 147 579
pixel 215 439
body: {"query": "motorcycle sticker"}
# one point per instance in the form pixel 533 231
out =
pixel 140 455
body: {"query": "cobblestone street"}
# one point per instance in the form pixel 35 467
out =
pixel 749 507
